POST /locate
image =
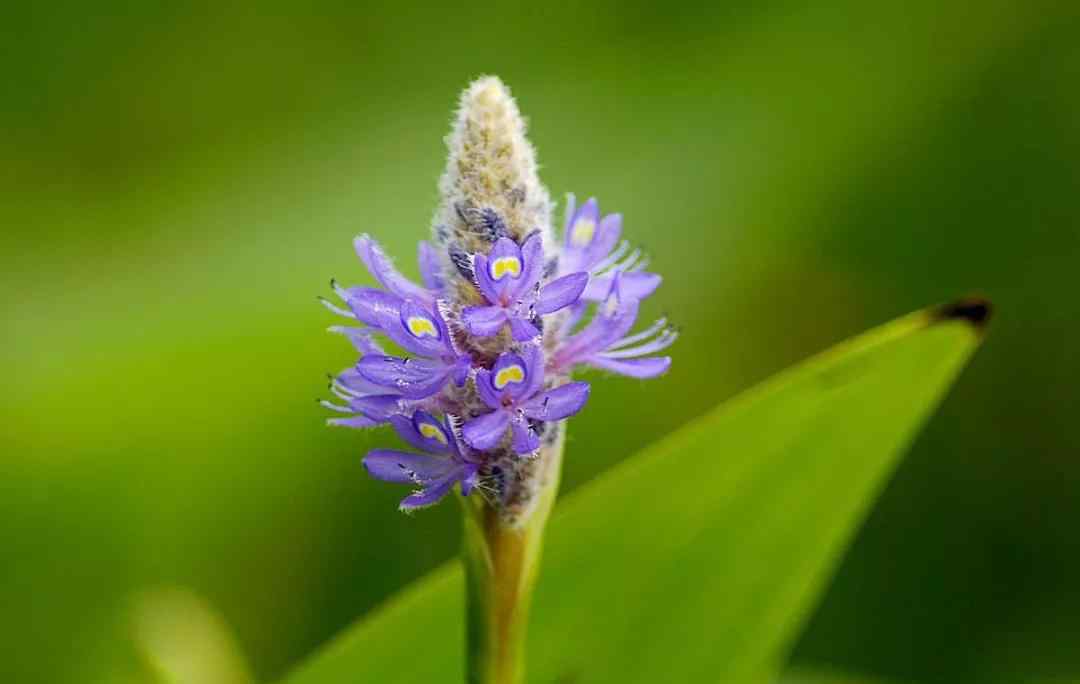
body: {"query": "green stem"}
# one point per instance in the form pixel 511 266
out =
pixel 502 559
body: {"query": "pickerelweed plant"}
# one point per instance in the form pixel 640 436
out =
pixel 504 315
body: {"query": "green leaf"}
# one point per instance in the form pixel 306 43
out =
pixel 641 586
pixel 814 676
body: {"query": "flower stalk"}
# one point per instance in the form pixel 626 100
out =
pixel 502 562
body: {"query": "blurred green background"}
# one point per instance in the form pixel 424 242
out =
pixel 179 181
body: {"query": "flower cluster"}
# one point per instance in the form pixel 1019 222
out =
pixel 478 375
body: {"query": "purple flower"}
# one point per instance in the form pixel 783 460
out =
pixel 509 278
pixel 512 390
pixel 425 334
pixel 366 403
pixel 365 302
pixel 603 343
pixel 436 471
pixel 383 269
pixel 592 245
pixel 409 316
pixel 471 398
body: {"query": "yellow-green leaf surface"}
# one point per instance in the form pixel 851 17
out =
pixel 638 585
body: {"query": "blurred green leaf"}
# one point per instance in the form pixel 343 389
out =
pixel 714 583
pixel 813 676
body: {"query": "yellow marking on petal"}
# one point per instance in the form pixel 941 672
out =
pixel 611 305
pixel 505 265
pixel 432 432
pixel 422 327
pixel 507 375
pixel 582 233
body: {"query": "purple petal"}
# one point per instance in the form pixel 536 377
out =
pixel 460 374
pixel 424 432
pixel 634 368
pixel 402 467
pixel 532 254
pixel 504 261
pixel 373 306
pixel 571 214
pixel 524 439
pixel 360 422
pixel 582 225
pixel 635 285
pixel 487 393
pixel 425 329
pixel 534 371
pixel 357 384
pixel 361 338
pixel 510 374
pixel 383 269
pixel 504 268
pixel 486 431
pixel 412 329
pixel 430 267
pixel 522 330
pixel 379 407
pixel 469 478
pixel 414 378
pixel 430 494
pixel 482 277
pixel 561 402
pixel 638 284
pixel 607 236
pixel 561 292
pixel 611 322
pixel 484 321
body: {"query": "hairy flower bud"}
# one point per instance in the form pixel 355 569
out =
pixel 490 188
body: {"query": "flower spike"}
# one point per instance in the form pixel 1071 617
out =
pixel 472 363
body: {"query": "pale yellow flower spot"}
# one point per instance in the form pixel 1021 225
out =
pixel 507 375
pixel 582 233
pixel 432 432
pixel 505 265
pixel 422 327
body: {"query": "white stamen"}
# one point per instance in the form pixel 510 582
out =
pixel 653 329
pixel 662 342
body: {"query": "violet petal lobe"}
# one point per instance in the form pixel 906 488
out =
pixel 532 254
pixel 382 268
pixel 403 467
pixel 522 330
pixel 424 432
pixel 511 374
pixel 484 321
pixel 470 477
pixel 487 393
pixel 430 494
pixel 505 266
pixel 561 402
pixel 534 371
pixel 430 268
pixel 413 378
pixel 483 280
pixel 371 305
pixel 524 439
pixel 485 431
pixel 561 292
pixel 361 339
pixel 635 285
